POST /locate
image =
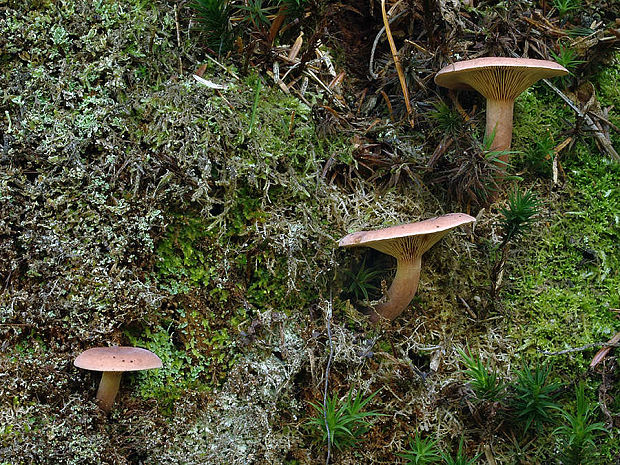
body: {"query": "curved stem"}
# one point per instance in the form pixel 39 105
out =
pixel 401 291
pixel 499 120
pixel 108 387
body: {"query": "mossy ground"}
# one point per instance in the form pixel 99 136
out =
pixel 140 207
pixel 565 281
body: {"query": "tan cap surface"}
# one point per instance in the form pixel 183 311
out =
pixel 407 241
pixel 497 77
pixel 117 359
pixel 430 226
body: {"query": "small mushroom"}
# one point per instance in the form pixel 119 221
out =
pixel 406 243
pixel 113 361
pixel 500 81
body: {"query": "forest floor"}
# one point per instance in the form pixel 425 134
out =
pixel 169 183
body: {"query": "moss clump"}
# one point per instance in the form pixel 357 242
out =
pixel 572 273
pixel 606 83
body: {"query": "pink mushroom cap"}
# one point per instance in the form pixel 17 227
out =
pixel 117 359
pixel 407 243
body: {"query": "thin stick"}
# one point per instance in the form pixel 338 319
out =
pixel 374 46
pixel 223 67
pixel 580 349
pixel 600 137
pixel 254 105
pixel 388 103
pixel 328 318
pixel 399 68
pixel 606 121
pixel 309 73
pixel 176 20
pixel 489 455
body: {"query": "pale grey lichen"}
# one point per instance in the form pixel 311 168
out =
pixel 242 424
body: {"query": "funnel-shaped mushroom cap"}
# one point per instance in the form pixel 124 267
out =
pixel 406 243
pixel 407 240
pixel 497 78
pixel 117 359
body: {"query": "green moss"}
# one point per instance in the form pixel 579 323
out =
pixel 270 282
pixel 608 94
pixel 566 284
pixel 539 120
pixel 187 256
pixel 198 365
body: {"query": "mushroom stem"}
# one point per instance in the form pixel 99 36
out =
pixel 401 291
pixel 108 387
pixel 499 119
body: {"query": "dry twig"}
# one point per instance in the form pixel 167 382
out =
pixel 580 349
pixel 176 20
pixel 399 68
pixel 328 319
pixel 598 134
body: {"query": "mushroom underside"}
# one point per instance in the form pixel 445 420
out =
pixel 500 81
pixel 408 252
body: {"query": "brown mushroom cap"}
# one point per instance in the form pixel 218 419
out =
pixel 394 240
pixel 497 78
pixel 117 359
pixel 406 243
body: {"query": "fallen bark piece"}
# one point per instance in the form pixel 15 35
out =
pixel 601 354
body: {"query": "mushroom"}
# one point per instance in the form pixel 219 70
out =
pixel 500 81
pixel 406 243
pixel 113 361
